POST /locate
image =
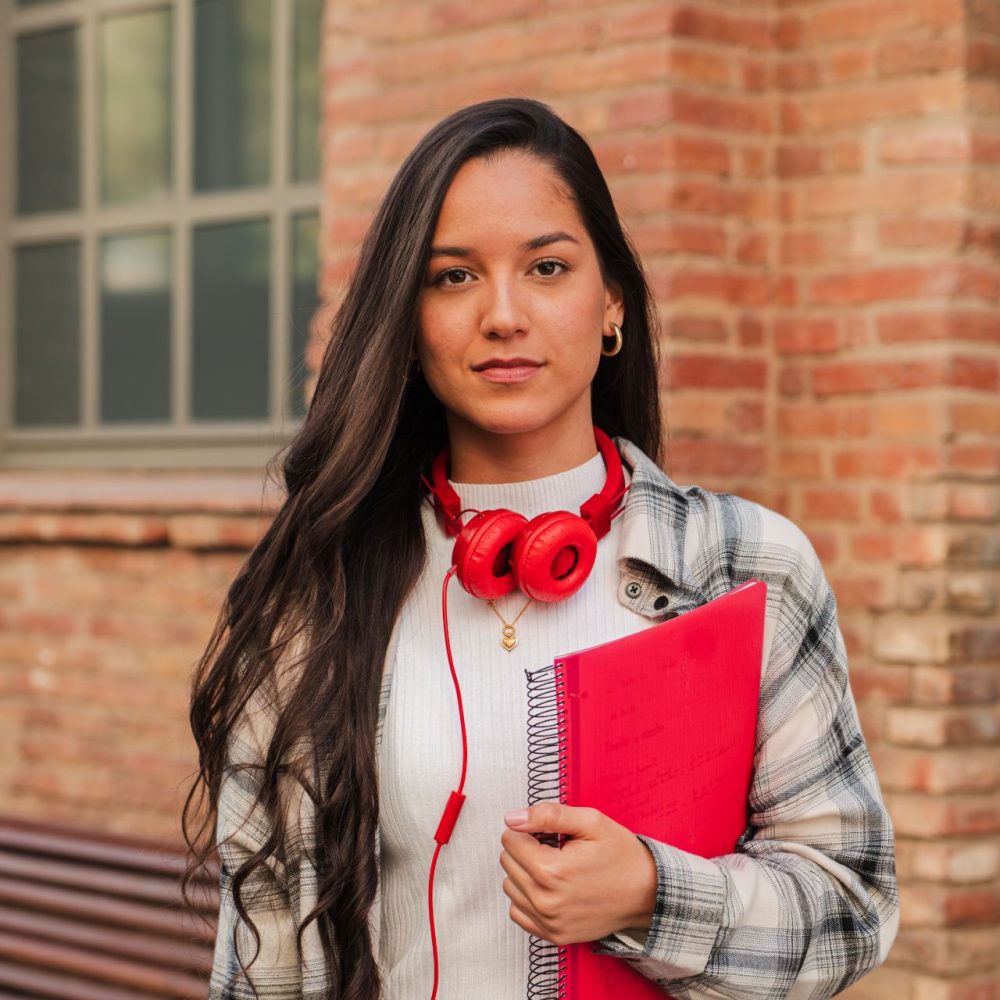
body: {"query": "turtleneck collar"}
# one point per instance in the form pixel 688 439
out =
pixel 566 490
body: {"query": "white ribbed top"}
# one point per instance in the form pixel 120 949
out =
pixel 481 951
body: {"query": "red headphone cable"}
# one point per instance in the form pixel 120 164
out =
pixel 456 799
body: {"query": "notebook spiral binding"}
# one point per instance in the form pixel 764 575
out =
pixel 546 782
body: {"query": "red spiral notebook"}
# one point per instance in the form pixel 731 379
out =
pixel 656 730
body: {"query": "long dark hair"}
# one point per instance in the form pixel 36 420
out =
pixel 342 553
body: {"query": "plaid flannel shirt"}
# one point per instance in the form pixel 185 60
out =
pixel 805 905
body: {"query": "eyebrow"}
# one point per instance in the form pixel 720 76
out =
pixel 535 244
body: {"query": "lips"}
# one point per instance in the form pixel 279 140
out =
pixel 508 370
pixel 507 363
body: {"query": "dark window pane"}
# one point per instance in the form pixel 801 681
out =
pixel 135 105
pixel 232 95
pixel 305 264
pixel 47 335
pixel 305 90
pixel 48 122
pixel 135 328
pixel 230 276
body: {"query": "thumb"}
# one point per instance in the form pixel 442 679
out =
pixel 551 817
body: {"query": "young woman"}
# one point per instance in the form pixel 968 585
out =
pixel 498 309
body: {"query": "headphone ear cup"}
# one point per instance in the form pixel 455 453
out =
pixel 553 555
pixel 483 551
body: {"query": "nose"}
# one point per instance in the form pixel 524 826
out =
pixel 505 312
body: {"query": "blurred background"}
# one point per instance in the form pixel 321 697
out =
pixel 814 186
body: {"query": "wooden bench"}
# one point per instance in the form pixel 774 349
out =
pixel 87 915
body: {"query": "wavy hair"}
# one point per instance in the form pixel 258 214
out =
pixel 347 544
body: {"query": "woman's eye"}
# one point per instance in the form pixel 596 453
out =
pixel 453 276
pixel 550 268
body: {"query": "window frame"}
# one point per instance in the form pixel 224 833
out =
pixel 180 442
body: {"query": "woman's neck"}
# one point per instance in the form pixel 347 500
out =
pixel 478 456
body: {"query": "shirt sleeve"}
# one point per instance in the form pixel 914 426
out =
pixel 266 962
pixel 807 903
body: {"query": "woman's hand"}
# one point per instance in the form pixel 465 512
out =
pixel 600 882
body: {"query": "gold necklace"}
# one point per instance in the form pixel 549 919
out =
pixel 508 635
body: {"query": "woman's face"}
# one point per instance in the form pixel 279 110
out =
pixel 513 304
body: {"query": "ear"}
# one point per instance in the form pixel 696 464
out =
pixel 614 303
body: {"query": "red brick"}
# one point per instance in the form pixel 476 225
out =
pixel 693 326
pixel 848 156
pixel 681 237
pixel 695 21
pixel 826 110
pixel 716 458
pixel 800 463
pixel 754 160
pixel 804 247
pixel 957 815
pixel 750 331
pixel 892 462
pixel 919 55
pixel 957 861
pixel 694 154
pixel 975 373
pixel 939 771
pixel 885 506
pixel 753 249
pixel 849 64
pixel 940 727
pixel 747 416
pixel 641 109
pixel 976 418
pixel 706 371
pixel 985 145
pixel 912 233
pixel 957 325
pixel 873 546
pixel 877 680
pixel 696 65
pixel 975 459
pixel 892 419
pixel 879 284
pixel 805 335
pixel 954 686
pixel 831 504
pixel 836 377
pixel 799 161
pixel 797 73
pixel 607 69
pixel 866 19
pixel 926 144
pixel 947 952
pixel 754 75
pixel 841 196
pixel 735 114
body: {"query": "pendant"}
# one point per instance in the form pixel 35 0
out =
pixel 509 637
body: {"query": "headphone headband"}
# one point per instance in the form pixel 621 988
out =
pixel 597 511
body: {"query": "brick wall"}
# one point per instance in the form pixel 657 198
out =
pixel 108 593
pixel 887 368
pixel 814 187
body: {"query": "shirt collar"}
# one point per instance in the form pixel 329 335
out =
pixel 654 523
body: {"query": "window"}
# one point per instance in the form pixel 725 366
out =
pixel 162 229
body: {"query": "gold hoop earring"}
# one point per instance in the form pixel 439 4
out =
pixel 618 341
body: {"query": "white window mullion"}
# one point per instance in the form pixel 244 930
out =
pixel 8 165
pixel 183 97
pixel 89 204
pixel 281 307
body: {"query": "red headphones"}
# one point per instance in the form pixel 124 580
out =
pixel 548 557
